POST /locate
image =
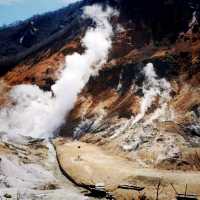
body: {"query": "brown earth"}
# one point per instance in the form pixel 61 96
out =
pixel 86 164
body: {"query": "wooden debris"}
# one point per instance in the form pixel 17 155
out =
pixel 99 191
pixel 184 196
pixel 131 187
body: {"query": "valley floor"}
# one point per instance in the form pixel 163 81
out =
pixel 87 164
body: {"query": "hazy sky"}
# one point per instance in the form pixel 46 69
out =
pixel 14 10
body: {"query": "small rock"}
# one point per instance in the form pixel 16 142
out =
pixel 7 196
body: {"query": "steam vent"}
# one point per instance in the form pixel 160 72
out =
pixel 100 99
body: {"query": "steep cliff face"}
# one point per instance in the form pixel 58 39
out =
pixel 144 105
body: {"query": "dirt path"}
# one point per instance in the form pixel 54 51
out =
pixel 88 164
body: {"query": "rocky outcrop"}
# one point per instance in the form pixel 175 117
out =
pixel 29 170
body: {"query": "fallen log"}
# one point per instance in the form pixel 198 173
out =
pixel 131 187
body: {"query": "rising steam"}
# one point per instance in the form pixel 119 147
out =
pixel 37 113
pixel 152 88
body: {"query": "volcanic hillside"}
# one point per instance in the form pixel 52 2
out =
pixel 141 111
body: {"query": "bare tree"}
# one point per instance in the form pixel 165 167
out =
pixel 159 188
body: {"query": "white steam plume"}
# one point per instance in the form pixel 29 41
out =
pixel 37 113
pixel 152 88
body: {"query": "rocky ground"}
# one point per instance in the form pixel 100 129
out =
pixel 29 170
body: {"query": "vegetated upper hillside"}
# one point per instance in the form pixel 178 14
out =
pixel 37 33
pixel 158 20
pixel 25 34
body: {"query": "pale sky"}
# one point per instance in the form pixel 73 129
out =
pixel 15 10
